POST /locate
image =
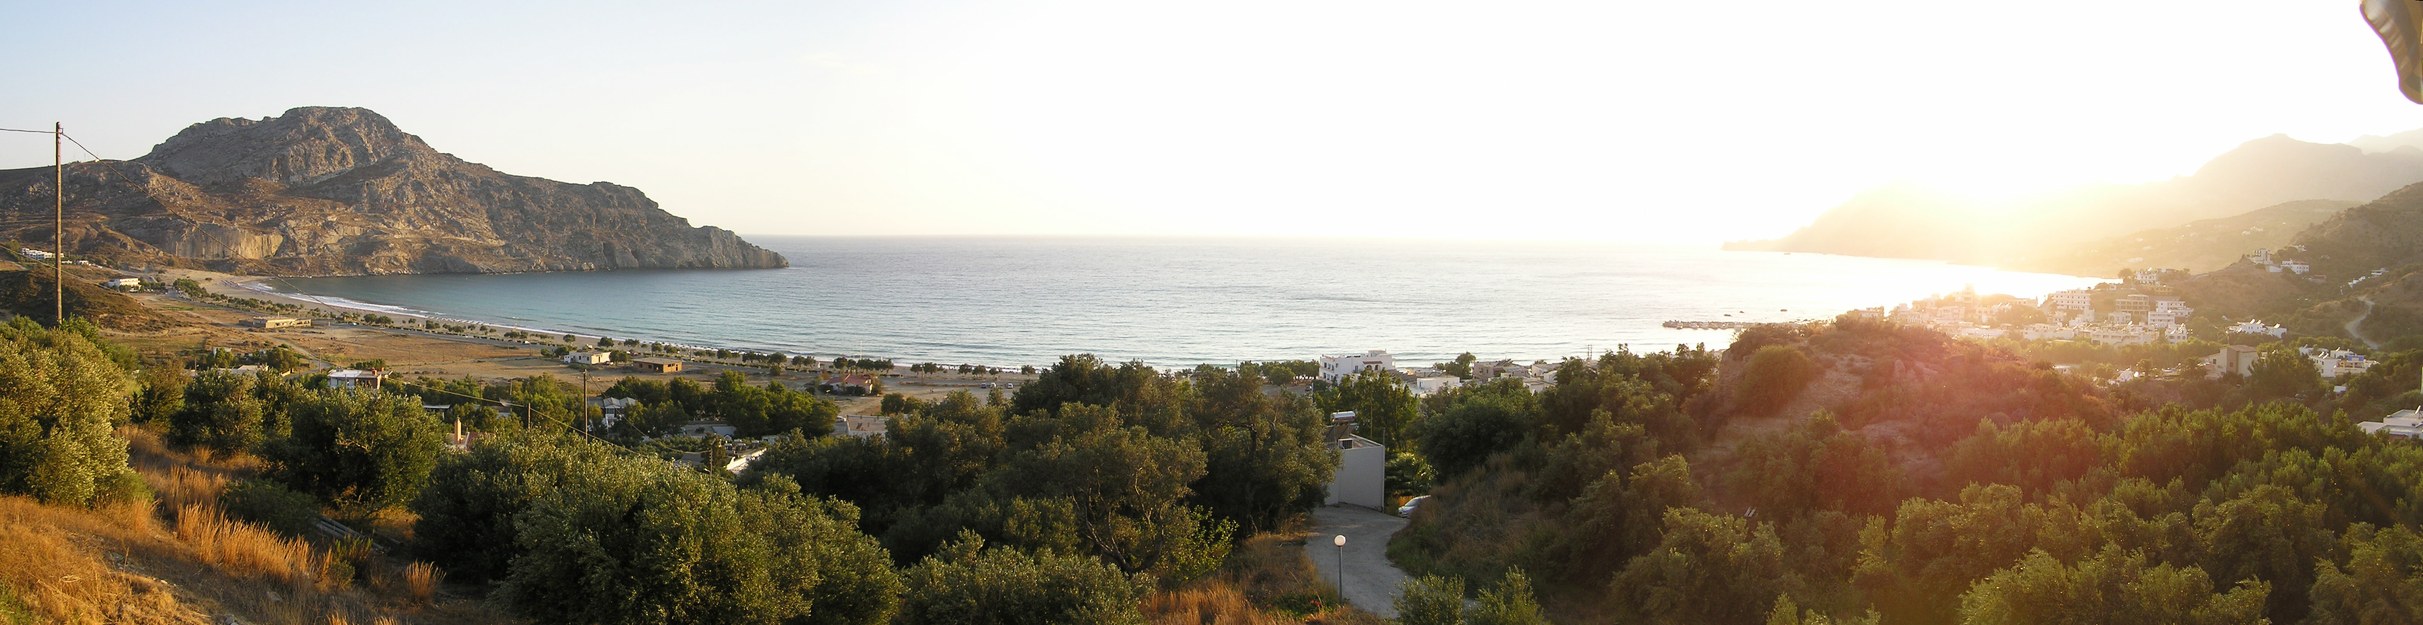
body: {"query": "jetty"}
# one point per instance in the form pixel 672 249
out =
pixel 1719 325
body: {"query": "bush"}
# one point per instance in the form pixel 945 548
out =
pixel 968 584
pixel 1776 374
pixel 272 505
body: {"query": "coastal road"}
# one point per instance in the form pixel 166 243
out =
pixel 1372 583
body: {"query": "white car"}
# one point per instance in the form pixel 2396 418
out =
pixel 1407 509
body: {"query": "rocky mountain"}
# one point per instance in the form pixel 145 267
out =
pixel 342 191
pixel 1909 223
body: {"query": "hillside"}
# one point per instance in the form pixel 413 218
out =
pixel 2199 246
pixel 332 191
pixel 1911 223
pixel 28 293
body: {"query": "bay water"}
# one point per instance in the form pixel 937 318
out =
pixel 1181 302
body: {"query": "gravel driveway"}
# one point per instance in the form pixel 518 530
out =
pixel 1372 583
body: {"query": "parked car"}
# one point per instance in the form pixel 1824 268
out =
pixel 1407 509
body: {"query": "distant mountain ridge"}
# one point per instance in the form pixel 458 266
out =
pixel 343 191
pixel 1908 222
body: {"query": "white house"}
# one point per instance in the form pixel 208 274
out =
pixel 859 426
pixel 613 409
pixel 2257 326
pixel 2402 424
pixel 1362 477
pixel 2296 266
pixel 1427 385
pixel 355 379
pixel 2121 335
pixel 124 283
pixel 2239 359
pixel 2073 299
pixel 2337 362
pixel 588 358
pixel 34 254
pixel 1335 368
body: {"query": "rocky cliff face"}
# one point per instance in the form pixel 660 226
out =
pixel 336 191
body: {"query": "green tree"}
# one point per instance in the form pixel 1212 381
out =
pixel 2377 583
pixel 1709 568
pixel 221 411
pixel 2280 373
pixel 1431 600
pixel 1265 458
pixel 63 393
pixel 466 513
pixel 2111 587
pixel 1476 423
pixel 1382 405
pixel 1510 603
pixel 1774 376
pixel 360 451
pixel 967 584
pixel 163 394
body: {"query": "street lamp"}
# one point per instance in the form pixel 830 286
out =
pixel 1340 541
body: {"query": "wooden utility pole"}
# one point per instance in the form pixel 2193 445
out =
pixel 58 226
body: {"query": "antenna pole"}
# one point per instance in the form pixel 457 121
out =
pixel 58 232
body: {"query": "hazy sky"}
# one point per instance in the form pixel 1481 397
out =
pixel 1677 121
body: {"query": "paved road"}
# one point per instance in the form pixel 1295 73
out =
pixel 1372 583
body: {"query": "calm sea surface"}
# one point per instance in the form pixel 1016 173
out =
pixel 1001 301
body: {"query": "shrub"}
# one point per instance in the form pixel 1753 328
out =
pixel 1776 374
pixel 272 505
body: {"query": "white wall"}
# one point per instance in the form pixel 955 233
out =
pixel 1362 478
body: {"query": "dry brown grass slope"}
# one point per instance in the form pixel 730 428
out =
pixel 181 560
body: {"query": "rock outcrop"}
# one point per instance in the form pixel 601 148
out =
pixel 342 191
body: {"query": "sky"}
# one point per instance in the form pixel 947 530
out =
pixel 1611 121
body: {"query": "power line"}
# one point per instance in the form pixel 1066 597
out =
pixel 38 132
pixel 80 146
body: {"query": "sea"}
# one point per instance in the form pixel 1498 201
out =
pixel 1182 302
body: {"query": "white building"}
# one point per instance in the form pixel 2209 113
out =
pixel 2121 335
pixel 2403 424
pixel 859 426
pixel 2296 266
pixel 1427 385
pixel 2239 359
pixel 2337 362
pixel 588 358
pixel 124 283
pixel 2257 326
pixel 2047 331
pixel 34 254
pixel 354 378
pixel 1362 477
pixel 1335 368
pixel 613 409
pixel 2073 299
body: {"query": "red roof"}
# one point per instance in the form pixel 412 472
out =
pixel 856 379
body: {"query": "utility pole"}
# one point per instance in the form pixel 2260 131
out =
pixel 58 226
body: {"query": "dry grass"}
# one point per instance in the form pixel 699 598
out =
pixel 246 550
pixel 421 581
pixel 121 564
pixel 1209 604
pixel 1266 580
pixel 48 565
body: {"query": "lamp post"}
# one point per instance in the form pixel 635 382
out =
pixel 1340 541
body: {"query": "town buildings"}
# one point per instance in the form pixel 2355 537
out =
pixel 1335 368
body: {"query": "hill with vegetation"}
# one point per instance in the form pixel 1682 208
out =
pixel 322 191
pixel 1864 472
pixel 2199 246
pixel 30 294
pixel 1908 222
